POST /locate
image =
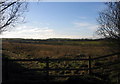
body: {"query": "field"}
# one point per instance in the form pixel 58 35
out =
pixel 56 48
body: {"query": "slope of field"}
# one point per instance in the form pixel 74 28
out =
pixel 29 49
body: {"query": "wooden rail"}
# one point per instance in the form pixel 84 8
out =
pixel 48 60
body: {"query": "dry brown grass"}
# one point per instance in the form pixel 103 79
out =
pixel 54 51
pixel 26 50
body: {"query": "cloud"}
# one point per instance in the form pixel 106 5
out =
pixel 81 24
pixel 46 32
pixel 86 25
pixel 35 33
pixel 29 32
pixel 93 27
pixel 82 17
pixel 38 33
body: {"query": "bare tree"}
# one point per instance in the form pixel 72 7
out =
pixel 109 21
pixel 11 13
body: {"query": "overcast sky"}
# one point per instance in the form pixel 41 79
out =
pixel 58 20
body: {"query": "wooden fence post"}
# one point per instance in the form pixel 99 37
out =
pixel 118 78
pixel 5 70
pixel 47 68
pixel 89 66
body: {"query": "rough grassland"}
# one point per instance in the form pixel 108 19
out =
pixel 55 49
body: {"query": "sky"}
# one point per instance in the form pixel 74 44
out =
pixel 45 20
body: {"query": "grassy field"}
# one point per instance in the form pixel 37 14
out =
pixel 29 49
pixel 56 49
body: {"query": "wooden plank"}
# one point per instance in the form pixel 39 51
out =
pixel 67 60
pixel 105 56
pixel 52 60
pixel 109 64
pixel 65 75
pixel 40 59
pixel 62 69
pixel 43 60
